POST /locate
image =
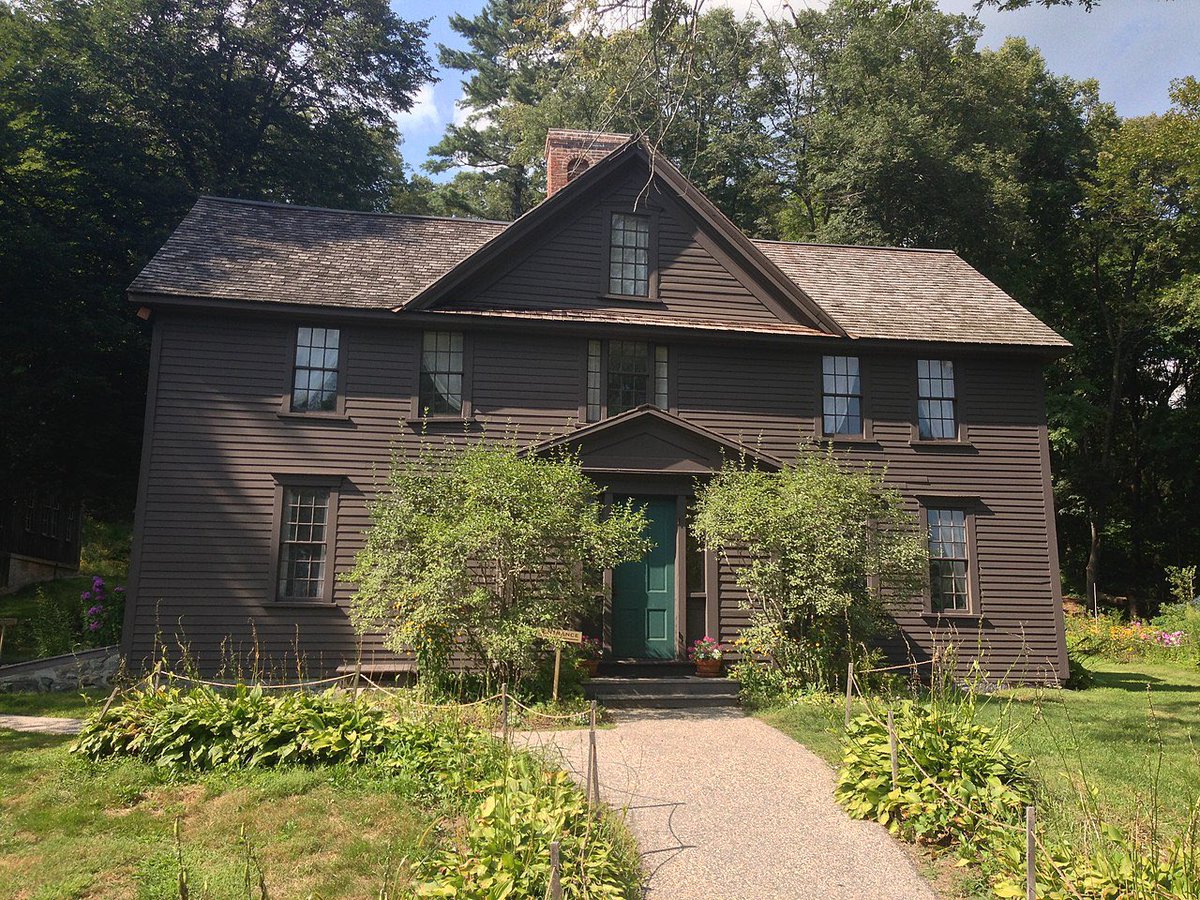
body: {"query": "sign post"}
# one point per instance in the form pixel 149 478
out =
pixel 559 636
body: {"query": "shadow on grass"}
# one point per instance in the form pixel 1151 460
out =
pixel 17 741
pixel 1131 681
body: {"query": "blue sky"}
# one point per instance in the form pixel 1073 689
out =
pixel 1134 48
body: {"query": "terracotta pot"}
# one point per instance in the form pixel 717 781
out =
pixel 590 666
pixel 708 668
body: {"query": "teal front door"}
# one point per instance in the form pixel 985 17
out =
pixel 643 602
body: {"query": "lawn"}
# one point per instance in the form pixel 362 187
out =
pixel 73 828
pixel 105 552
pixel 1126 749
pixel 68 704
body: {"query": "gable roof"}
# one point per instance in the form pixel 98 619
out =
pixel 274 252
pixel 804 308
pixel 278 253
pixel 900 294
pixel 647 438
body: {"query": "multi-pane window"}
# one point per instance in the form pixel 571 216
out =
pixel 441 373
pixel 948 560
pixel 935 400
pixel 594 389
pixel 315 377
pixel 629 255
pixel 622 375
pixel 841 401
pixel 303 542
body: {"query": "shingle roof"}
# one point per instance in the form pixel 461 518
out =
pixel 901 294
pixel 293 254
pixel 246 250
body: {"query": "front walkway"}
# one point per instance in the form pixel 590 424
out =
pixel 41 724
pixel 724 806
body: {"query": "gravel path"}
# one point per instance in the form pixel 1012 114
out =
pixel 724 806
pixel 41 724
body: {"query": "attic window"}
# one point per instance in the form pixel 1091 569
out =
pixel 576 167
pixel 629 255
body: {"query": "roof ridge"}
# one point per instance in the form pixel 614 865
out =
pixel 855 246
pixel 353 212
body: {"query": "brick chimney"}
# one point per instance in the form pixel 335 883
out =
pixel 570 153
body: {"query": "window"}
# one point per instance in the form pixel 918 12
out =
pixel 935 400
pixel 315 376
pixel 948 560
pixel 629 255
pixel 441 391
pixel 632 373
pixel 841 401
pixel 303 543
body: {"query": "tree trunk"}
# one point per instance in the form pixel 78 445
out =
pixel 1092 561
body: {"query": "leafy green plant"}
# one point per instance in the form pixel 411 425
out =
pixel 502 851
pixel 957 779
pixel 53 626
pixel 820 551
pixel 476 548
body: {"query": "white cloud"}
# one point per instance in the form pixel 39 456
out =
pixel 423 114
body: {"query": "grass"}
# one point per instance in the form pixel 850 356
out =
pixel 69 827
pixel 67 704
pixel 1124 752
pixel 105 552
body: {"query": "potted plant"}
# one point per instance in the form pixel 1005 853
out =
pixel 706 654
pixel 590 652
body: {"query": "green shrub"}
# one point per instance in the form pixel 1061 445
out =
pixel 53 625
pixel 502 851
pixel 947 755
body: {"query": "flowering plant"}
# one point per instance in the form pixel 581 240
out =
pixel 705 648
pixel 102 614
pixel 591 648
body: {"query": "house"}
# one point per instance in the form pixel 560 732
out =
pixel 624 317
pixel 39 539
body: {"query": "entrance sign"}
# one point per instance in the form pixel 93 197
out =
pixel 559 636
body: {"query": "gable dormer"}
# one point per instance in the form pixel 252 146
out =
pixel 627 237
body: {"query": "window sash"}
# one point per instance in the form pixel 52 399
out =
pixel 442 368
pixel 936 400
pixel 315 370
pixel 629 255
pixel 594 390
pixel 303 543
pixel 949 560
pixel 841 397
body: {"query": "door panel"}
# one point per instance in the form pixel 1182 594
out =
pixel 644 591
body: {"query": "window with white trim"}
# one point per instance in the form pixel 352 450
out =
pixel 441 389
pixel 936 415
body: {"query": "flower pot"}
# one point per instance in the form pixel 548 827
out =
pixel 590 666
pixel 708 668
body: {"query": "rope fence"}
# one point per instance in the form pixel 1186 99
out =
pixel 1033 843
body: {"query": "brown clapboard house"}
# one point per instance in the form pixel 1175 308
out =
pixel 625 318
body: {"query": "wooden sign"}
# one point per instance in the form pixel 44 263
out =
pixel 560 636
pixel 564 635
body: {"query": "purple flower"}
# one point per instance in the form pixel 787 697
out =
pixel 97 583
pixel 118 590
pixel 94 626
pixel 86 595
pixel 95 610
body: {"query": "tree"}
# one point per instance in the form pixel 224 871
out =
pixel 821 551
pixel 116 114
pixel 515 48
pixel 1125 419
pixel 478 547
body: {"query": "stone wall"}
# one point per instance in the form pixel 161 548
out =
pixel 71 671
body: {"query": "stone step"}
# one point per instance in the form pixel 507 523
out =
pixel 668 701
pixel 645 668
pixel 667 692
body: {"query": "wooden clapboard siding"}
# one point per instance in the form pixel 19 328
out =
pixel 205 535
pixel 563 269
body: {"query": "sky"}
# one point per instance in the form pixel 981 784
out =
pixel 1134 48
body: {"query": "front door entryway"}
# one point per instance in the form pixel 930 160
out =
pixel 643 602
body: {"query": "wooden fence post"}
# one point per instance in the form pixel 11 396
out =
pixel 504 712
pixel 849 689
pixel 593 761
pixel 1030 861
pixel 555 873
pixel 557 666
pixel 892 747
